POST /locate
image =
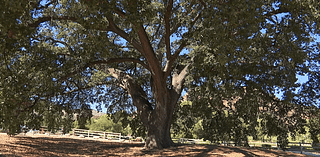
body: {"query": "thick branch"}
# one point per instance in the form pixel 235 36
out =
pixel 137 94
pixel 173 30
pixel 119 60
pixel 170 62
pixel 109 61
pixel 179 24
pixel 178 79
pixel 120 13
pixel 148 52
pixel 184 43
pixel 124 35
pixel 195 19
pixel 167 27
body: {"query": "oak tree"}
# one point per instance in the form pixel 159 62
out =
pixel 135 55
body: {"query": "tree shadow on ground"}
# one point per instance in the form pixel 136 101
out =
pixel 66 146
pixel 36 146
pixel 214 150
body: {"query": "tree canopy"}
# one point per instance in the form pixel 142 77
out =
pixel 138 56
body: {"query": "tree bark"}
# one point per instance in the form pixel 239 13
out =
pixel 159 123
pixel 156 119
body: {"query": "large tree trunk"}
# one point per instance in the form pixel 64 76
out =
pixel 159 132
pixel 156 118
pixel 160 120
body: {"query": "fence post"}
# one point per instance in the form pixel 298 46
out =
pixel 104 135
pixel 88 133
pixel 300 148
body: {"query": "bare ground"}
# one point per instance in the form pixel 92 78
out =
pixel 55 145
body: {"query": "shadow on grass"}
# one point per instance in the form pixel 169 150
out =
pixel 214 150
pixel 51 146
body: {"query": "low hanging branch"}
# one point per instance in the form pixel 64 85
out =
pixel 137 94
pixel 109 61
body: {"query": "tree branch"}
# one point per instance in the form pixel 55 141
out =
pixel 167 28
pixel 61 42
pixel 174 29
pixel 178 79
pixel 137 94
pixel 86 87
pixel 109 61
pixel 279 11
pixel 49 18
pixel 119 60
pixel 170 62
pixel 124 35
pixel 148 52
pixel 120 13
pixel 168 67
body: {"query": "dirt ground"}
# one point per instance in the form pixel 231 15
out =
pixel 55 145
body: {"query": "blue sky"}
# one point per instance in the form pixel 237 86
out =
pixel 301 79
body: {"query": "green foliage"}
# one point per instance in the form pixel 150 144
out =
pixel 198 131
pixel 314 127
pixel 227 125
pixel 282 140
pixel 241 62
pixel 55 56
pixel 184 121
pixel 105 123
pixel 131 123
pixel 108 124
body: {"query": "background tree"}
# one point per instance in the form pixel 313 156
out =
pixel 309 96
pixel 131 54
pixel 253 61
pixel 314 125
pixel 184 120
pixel 105 123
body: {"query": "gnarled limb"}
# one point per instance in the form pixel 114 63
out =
pixel 137 94
pixel 108 61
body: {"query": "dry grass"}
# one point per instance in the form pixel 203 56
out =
pixel 43 145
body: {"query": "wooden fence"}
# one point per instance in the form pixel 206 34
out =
pixel 190 141
pixel 97 134
pixel 298 146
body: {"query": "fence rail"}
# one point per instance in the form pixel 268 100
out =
pixel 97 134
pixel 190 141
pixel 300 146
